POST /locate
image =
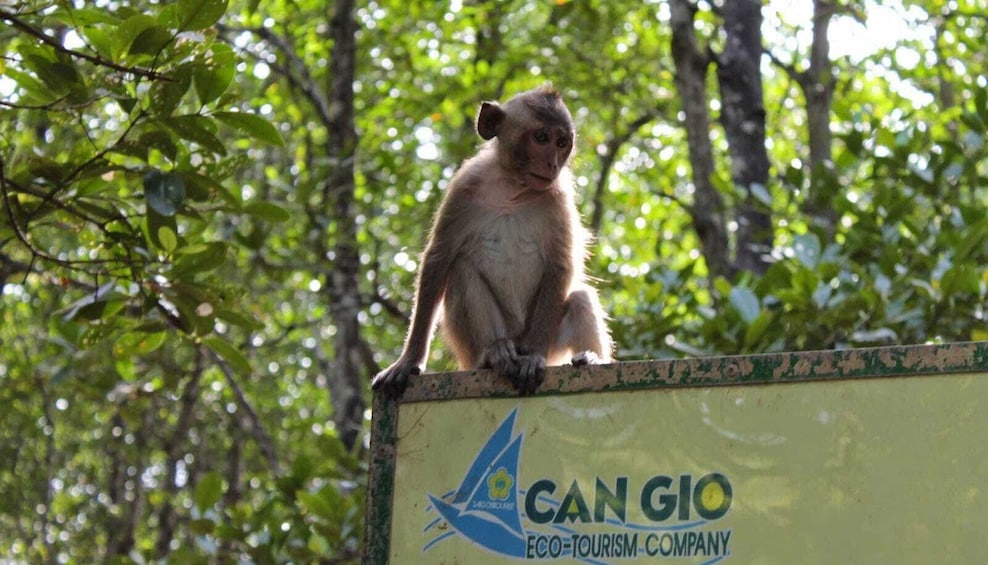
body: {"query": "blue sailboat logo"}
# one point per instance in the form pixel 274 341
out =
pixel 484 509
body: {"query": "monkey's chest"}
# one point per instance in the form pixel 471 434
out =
pixel 511 241
pixel 511 253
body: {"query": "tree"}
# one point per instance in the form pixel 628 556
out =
pixel 817 82
pixel 345 301
pixel 743 118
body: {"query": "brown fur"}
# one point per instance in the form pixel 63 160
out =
pixel 505 256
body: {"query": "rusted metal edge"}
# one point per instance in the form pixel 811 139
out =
pixel 380 485
pixel 711 371
pixel 881 362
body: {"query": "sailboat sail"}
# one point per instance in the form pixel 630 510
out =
pixel 481 463
pixel 485 507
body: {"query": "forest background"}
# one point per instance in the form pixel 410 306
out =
pixel 212 210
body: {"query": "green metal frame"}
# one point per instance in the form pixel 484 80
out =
pixel 872 363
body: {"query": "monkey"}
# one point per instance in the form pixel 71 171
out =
pixel 504 262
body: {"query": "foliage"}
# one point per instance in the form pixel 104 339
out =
pixel 123 243
pixel 167 236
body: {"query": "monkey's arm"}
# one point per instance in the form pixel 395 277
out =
pixel 546 312
pixel 431 284
pixel 541 326
pixel 430 287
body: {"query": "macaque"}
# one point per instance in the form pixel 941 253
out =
pixel 505 257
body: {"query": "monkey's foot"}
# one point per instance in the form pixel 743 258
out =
pixel 529 373
pixel 585 358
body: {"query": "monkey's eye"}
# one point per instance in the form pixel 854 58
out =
pixel 541 136
pixel 563 143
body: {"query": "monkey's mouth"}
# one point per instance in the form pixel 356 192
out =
pixel 538 181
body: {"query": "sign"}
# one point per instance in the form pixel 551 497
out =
pixel 868 456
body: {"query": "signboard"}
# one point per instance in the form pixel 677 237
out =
pixel 864 456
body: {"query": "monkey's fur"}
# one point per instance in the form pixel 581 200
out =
pixel 505 258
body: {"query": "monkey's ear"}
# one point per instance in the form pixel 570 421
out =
pixel 489 119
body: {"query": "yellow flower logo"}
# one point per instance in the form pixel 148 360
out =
pixel 499 484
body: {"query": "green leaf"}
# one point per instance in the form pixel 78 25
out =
pixel 33 88
pixel 197 129
pixel 961 279
pixel 153 223
pixel 760 193
pixel 317 505
pixel 150 41
pixel 807 249
pixel 138 343
pixel 199 14
pixel 229 354
pixel 127 103
pixel 60 77
pixel 745 302
pixel 44 167
pixel 167 238
pixel 238 319
pixel 208 491
pixel 794 176
pixel 302 468
pixel 74 16
pixel 854 141
pixel 822 294
pixel 722 285
pixel 205 257
pixel 166 94
pixel 214 74
pixel 128 31
pixel 164 192
pixel 205 187
pixel 101 304
pixel 756 330
pixel 154 139
pixel 981 103
pixel 252 126
pixel 202 526
pixel 974 241
pixel 267 211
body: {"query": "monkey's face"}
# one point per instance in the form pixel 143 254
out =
pixel 541 153
pixel 535 135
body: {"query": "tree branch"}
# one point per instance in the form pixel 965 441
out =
pixel 607 162
pixel 260 434
pixel 300 79
pixel 94 59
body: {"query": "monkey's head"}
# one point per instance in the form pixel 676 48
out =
pixel 533 133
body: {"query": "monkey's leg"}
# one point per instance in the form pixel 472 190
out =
pixel 582 331
pixel 475 326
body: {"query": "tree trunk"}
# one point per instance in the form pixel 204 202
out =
pixel 817 84
pixel 174 446
pixel 743 118
pixel 345 385
pixel 707 211
pixel 612 148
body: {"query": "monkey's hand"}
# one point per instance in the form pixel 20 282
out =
pixel 501 357
pixel 525 370
pixel 393 380
pixel 529 374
